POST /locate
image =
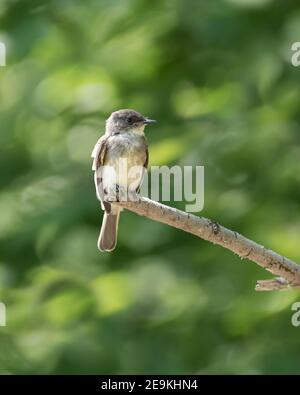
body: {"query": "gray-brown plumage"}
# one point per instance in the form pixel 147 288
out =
pixel 123 143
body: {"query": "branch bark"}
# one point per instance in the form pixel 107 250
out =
pixel 287 270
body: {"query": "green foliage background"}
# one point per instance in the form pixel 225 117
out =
pixel 217 76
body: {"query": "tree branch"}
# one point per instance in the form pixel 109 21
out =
pixel 206 229
pixel 276 284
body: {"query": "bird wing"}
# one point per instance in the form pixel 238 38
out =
pixel 99 151
pixel 147 159
pixel 98 155
pixel 145 165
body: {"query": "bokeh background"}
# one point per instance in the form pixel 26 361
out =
pixel 217 75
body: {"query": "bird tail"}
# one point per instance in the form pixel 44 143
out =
pixel 109 230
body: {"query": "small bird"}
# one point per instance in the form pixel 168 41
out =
pixel 120 159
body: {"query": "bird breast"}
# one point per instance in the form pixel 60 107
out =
pixel 126 153
pixel 129 146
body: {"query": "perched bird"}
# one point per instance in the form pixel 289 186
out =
pixel 120 159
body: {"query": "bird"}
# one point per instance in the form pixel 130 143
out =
pixel 120 160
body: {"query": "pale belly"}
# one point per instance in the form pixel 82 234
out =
pixel 124 163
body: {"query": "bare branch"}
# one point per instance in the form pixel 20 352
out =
pixel 211 231
pixel 276 284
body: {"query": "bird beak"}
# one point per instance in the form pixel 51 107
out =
pixel 147 121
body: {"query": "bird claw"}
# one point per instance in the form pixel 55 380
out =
pixel 133 196
pixel 117 193
pixel 113 193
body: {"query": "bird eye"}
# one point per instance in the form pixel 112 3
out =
pixel 129 120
